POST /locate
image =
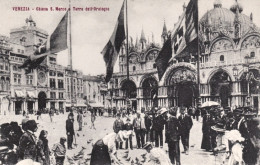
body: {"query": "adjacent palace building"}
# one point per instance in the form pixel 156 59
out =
pixel 229 66
pixel 48 86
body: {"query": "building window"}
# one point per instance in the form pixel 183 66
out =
pixel 17 78
pixel 6 67
pixel 154 65
pixel 52 83
pixel 18 50
pixel 29 80
pixel 15 68
pixel 52 73
pixel 252 54
pixel 60 74
pixel 134 68
pixel 22 40
pixel 221 58
pixel 60 84
pixel 53 95
pixel 60 95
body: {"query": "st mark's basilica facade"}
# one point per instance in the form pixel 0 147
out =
pixel 229 66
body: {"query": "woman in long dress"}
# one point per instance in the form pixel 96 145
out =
pixel 235 152
pixel 104 150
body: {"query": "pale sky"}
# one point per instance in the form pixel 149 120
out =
pixel 91 29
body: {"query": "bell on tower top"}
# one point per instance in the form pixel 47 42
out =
pixel 217 4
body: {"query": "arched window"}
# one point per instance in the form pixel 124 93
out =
pixel 154 65
pixel 222 58
pixel 252 54
pixel 134 68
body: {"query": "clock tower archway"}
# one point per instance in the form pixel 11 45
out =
pixel 42 100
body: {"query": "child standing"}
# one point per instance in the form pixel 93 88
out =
pixel 129 127
pixel 59 151
pixel 93 118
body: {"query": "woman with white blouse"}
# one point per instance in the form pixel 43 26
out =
pixel 104 150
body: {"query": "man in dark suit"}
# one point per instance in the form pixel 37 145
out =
pixel 70 131
pixel 173 137
pixel 186 123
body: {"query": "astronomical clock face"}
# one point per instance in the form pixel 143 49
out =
pixel 42 78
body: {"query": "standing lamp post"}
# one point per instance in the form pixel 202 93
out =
pixel 235 74
pixel 246 71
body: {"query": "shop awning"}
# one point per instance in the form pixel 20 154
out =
pixel 81 105
pixel 19 93
pixel 67 105
pixel 96 105
pixel 31 94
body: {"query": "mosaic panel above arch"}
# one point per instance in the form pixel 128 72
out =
pixel 152 55
pixel 181 75
pixel 251 42
pixel 222 45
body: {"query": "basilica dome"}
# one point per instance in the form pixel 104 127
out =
pixel 220 17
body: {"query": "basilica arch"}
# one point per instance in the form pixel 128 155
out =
pixel 129 90
pixel 149 86
pixel 181 85
pixel 221 87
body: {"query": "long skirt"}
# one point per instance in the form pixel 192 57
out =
pixel 206 142
pixel 100 154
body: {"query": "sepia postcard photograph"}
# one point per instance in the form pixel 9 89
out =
pixel 129 82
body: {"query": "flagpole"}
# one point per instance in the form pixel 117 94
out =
pixel 198 63
pixel 127 55
pixel 70 56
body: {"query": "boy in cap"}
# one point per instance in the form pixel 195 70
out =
pixel 59 151
pixel 118 126
pixel 128 127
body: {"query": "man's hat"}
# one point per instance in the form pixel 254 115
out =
pixel 162 111
pixel 31 125
pixel 249 114
pixel 219 127
pixel 62 139
pixel 147 145
pixel 118 115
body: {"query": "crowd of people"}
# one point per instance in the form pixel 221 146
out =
pixel 224 131
pixel 232 135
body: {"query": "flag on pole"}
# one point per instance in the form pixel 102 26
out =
pixel 37 57
pixel 163 58
pixel 112 48
pixel 186 31
pixel 58 39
